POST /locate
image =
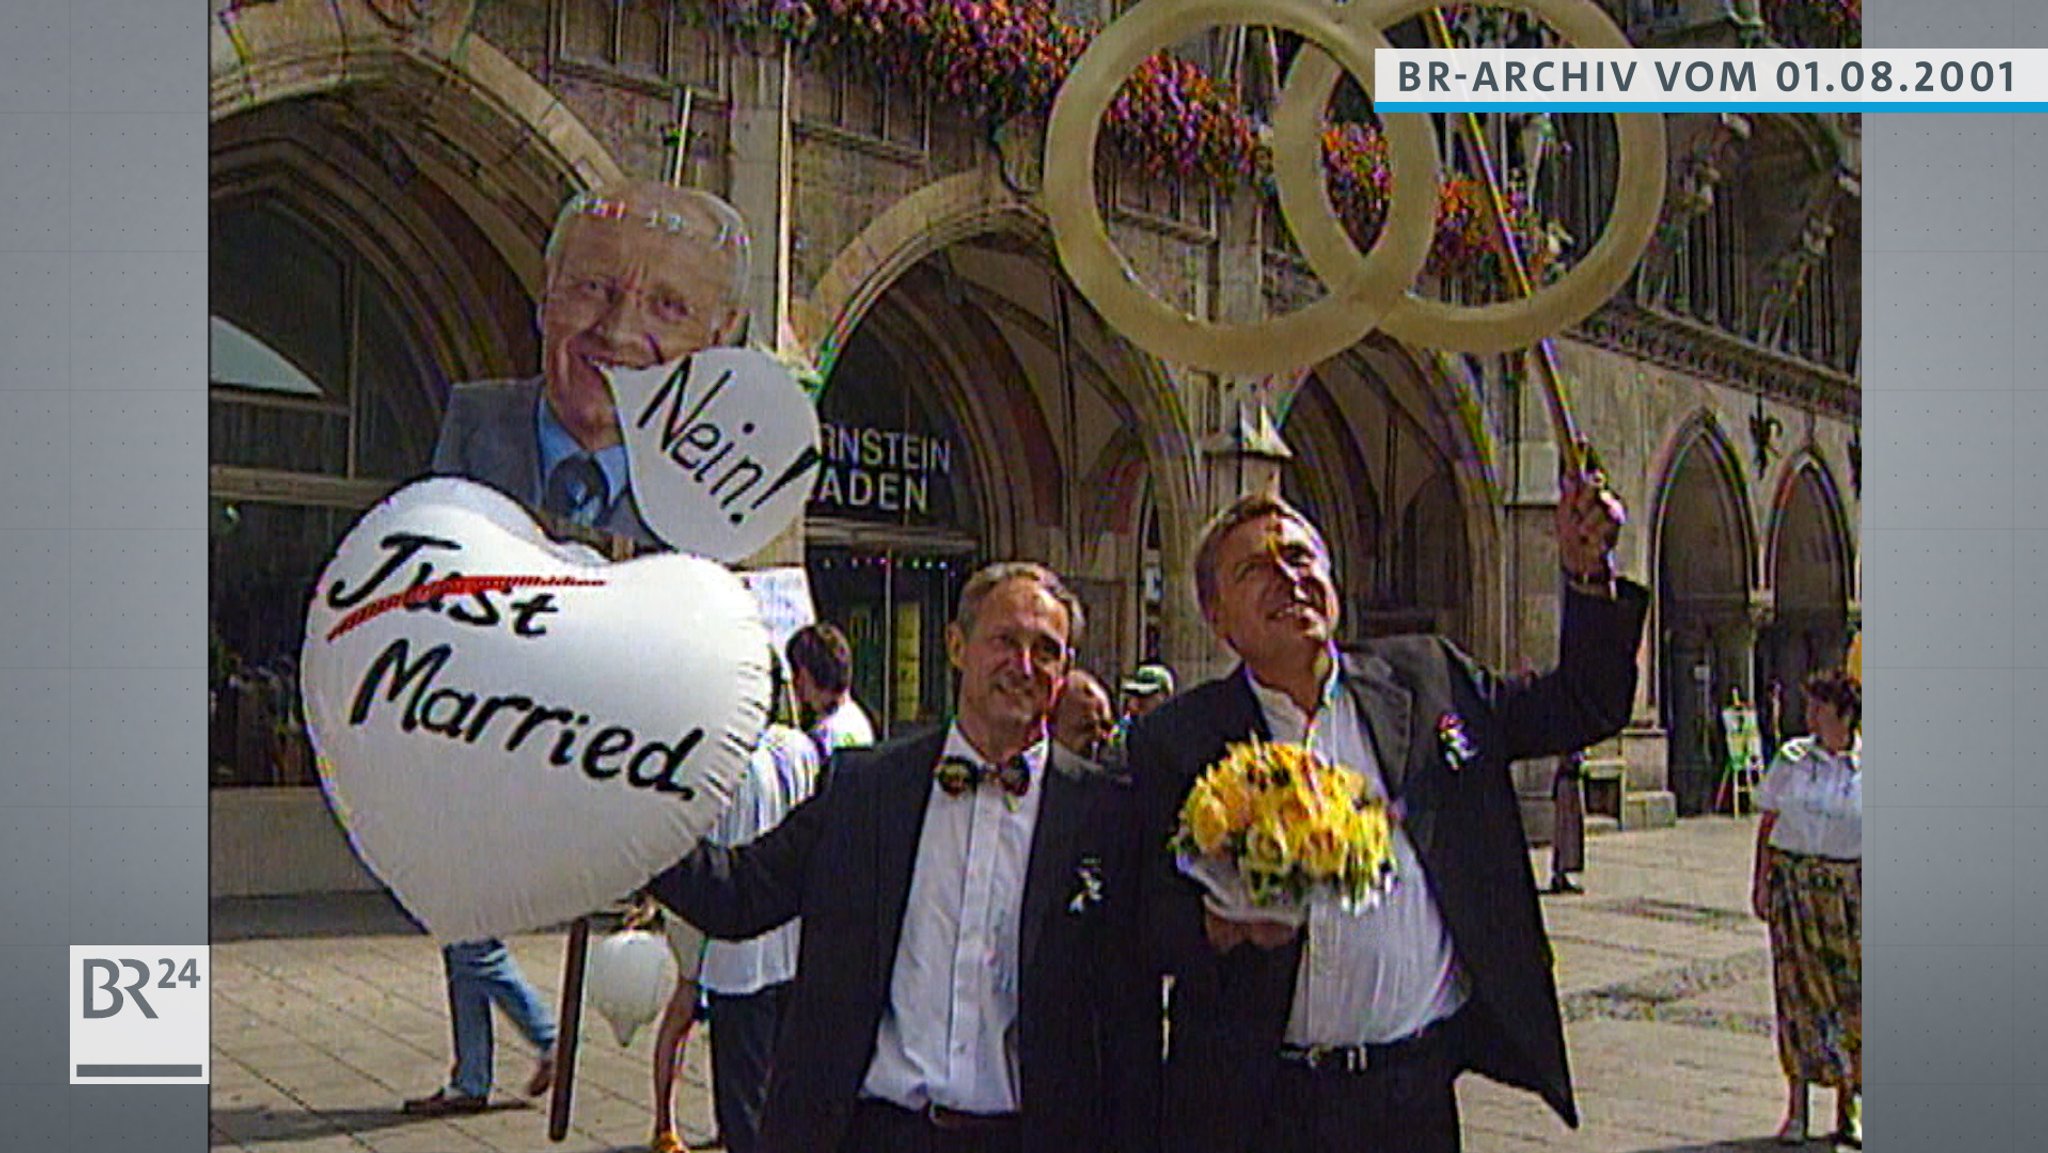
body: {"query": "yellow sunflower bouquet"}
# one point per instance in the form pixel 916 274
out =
pixel 1271 823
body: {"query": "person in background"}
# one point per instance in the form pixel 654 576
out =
pixel 481 974
pixel 1771 718
pixel 1083 721
pixel 747 982
pixel 1568 828
pixel 1808 886
pixel 821 668
pixel 1143 692
pixel 678 1018
pixel 1146 689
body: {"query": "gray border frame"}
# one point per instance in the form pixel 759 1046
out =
pixel 102 535
pixel 1955 510
pixel 102 457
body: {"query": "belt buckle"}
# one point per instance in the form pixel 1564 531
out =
pixel 1337 1058
pixel 1348 1058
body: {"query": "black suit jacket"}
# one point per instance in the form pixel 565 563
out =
pixel 1087 1036
pixel 1229 1013
pixel 491 434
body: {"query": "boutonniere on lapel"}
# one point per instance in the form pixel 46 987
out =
pixel 1459 750
pixel 1087 885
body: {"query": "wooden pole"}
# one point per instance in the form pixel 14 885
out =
pixel 564 1093
pixel 679 138
pixel 1541 360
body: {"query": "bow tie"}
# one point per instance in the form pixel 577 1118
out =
pixel 956 775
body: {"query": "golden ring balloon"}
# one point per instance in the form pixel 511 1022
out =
pixel 1367 287
pixel 1484 328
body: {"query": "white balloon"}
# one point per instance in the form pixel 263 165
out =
pixel 512 731
pixel 722 448
pixel 628 978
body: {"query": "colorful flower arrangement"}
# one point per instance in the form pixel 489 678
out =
pixel 1466 243
pixel 1291 823
pixel 1815 23
pixel 1003 58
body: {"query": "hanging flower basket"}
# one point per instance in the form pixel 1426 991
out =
pixel 999 59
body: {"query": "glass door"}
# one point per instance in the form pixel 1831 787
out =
pixel 894 605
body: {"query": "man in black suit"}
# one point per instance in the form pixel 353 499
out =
pixel 970 976
pixel 1349 1035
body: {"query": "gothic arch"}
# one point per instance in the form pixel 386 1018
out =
pixel 1702 442
pixel 959 208
pixel 303 162
pixel 1371 386
pixel 1009 493
pixel 1807 476
pixel 494 139
pixel 1704 561
pixel 1809 571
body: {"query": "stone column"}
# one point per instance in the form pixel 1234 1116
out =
pixel 1239 443
pixel 1242 453
pixel 1531 584
pixel 1732 653
pixel 762 148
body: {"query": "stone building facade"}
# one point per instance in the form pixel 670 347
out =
pixel 383 176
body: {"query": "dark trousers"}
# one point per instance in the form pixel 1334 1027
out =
pixel 879 1127
pixel 1568 835
pixel 1409 1105
pixel 742 1051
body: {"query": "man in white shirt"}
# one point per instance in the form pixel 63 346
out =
pixel 969 978
pixel 821 671
pixel 748 981
pixel 1349 1036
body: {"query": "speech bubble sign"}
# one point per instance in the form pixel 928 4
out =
pixel 722 447
pixel 512 731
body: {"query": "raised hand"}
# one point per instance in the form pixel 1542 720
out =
pixel 1589 520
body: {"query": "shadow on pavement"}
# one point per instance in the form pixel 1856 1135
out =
pixel 257 1126
pixel 1753 1145
pixel 312 915
pixel 308 915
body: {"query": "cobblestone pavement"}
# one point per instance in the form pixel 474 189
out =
pixel 328 1011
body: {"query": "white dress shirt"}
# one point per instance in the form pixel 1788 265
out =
pixel 1818 796
pixel 782 772
pixel 948 1035
pixel 846 727
pixel 1384 974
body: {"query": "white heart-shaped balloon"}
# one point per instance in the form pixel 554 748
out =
pixel 513 731
pixel 722 447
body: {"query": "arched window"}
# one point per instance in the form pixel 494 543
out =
pixel 321 399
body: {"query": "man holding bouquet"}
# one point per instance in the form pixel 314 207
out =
pixel 1326 1023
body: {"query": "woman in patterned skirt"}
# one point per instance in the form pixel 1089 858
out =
pixel 1809 887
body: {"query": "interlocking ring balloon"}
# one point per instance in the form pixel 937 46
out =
pixel 1360 298
pixel 1483 328
pixel 1357 298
